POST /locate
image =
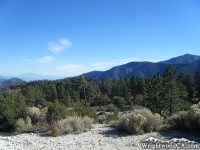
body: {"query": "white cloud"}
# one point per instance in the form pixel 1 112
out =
pixel 56 47
pixel 154 61
pixel 45 60
pixel 112 63
pixel 73 69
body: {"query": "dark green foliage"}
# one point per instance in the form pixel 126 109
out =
pixel 51 93
pixel 80 110
pixel 187 82
pixel 113 116
pixel 12 107
pixel 101 100
pixel 56 111
pixel 118 101
pixel 164 92
pixel 198 83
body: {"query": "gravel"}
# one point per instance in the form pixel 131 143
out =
pixel 101 137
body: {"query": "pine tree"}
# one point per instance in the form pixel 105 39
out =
pixel 172 91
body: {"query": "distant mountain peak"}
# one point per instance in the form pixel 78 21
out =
pixel 184 59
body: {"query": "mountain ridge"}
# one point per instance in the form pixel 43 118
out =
pixel 186 63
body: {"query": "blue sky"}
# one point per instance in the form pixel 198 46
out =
pixel 71 37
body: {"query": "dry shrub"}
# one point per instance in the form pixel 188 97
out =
pixel 22 126
pixel 43 114
pixel 38 117
pixel 193 117
pixel 73 125
pixel 55 132
pixel 186 120
pixel 195 106
pixel 36 114
pixel 139 122
pixel 87 122
pixel 33 113
pixel 77 124
pixel 177 120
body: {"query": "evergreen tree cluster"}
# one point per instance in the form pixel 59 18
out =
pixel 164 93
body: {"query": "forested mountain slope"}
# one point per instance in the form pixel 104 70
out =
pixel 187 63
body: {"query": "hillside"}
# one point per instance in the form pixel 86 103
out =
pixel 12 81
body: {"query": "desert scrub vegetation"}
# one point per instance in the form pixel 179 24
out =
pixel 186 120
pixel 139 121
pixel 71 125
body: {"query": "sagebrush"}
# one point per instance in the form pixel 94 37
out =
pixel 186 120
pixel 73 125
pixel 139 121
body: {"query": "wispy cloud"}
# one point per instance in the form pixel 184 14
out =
pixel 45 60
pixel 114 62
pixel 107 65
pixel 154 61
pixel 73 69
pixel 56 47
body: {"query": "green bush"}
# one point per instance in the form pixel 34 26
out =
pixel 12 107
pixel 80 110
pixel 139 121
pixel 73 125
pixel 186 120
pixel 113 116
pixel 56 111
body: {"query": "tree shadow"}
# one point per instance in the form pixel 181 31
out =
pixel 112 132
